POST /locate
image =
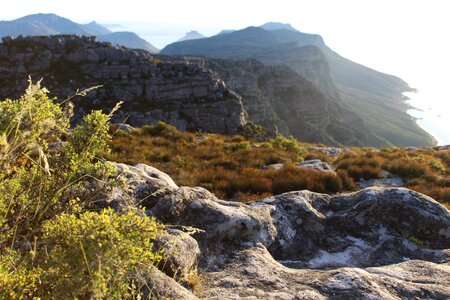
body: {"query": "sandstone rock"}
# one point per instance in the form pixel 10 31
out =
pixel 397 182
pixel 254 274
pixel 316 164
pixel 145 184
pixel 220 220
pixel 361 237
pixel 273 167
pixel 160 286
pixel 181 251
pixel 331 151
pixel 403 211
pixel 377 243
pixel 125 127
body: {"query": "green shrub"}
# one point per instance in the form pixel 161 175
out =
pixel 289 144
pixel 51 245
pixel 17 279
pixel 162 129
pixel 433 162
pixel 97 255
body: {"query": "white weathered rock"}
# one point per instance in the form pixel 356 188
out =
pixel 316 164
pixel 181 252
pixel 144 183
pixel 377 243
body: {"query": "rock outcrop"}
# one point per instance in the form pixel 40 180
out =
pixel 377 243
pixel 316 164
pixel 281 100
pixel 186 95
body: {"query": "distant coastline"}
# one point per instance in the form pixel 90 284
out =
pixel 430 115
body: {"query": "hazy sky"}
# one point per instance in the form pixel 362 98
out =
pixel 407 38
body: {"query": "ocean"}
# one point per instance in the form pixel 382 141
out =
pixel 433 115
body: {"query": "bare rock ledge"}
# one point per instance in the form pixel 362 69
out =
pixel 377 243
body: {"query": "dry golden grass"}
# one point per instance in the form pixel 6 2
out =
pixel 232 166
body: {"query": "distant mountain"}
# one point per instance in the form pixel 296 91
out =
pixel 226 31
pixel 51 24
pixel 43 24
pixel 192 35
pixel 128 39
pixel 97 28
pixel 277 26
pixel 360 93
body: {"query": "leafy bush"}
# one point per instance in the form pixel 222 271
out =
pixel 51 245
pixel 289 144
pixel 97 255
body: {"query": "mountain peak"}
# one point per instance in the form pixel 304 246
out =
pixel 40 17
pixel 191 35
pixel 276 26
pixel 226 31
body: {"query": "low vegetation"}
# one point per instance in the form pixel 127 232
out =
pixel 54 244
pixel 233 167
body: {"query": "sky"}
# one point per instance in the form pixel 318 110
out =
pixel 406 38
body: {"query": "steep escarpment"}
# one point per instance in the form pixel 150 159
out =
pixel 361 92
pixel 281 100
pixel 152 88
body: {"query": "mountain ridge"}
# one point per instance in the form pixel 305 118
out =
pixel 373 96
pixel 52 24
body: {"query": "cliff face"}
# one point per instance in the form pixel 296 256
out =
pixel 367 98
pixel 183 94
pixel 281 100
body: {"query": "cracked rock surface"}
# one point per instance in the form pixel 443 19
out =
pixel 377 243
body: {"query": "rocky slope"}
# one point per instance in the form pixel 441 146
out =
pixel 370 95
pixel 281 100
pixel 378 243
pixel 175 91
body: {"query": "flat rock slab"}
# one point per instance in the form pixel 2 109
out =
pixel 254 274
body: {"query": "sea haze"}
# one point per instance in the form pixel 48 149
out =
pixel 432 114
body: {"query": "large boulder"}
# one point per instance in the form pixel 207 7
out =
pixel 134 186
pixel 144 183
pixel 404 212
pixel 220 221
pixel 316 164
